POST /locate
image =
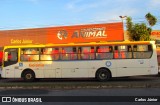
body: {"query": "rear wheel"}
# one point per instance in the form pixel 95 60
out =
pixel 29 76
pixel 103 74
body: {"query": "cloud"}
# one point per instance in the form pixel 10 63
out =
pixel 72 4
pixel 104 10
pixel 82 5
pixel 154 3
pixel 33 1
pixel 113 15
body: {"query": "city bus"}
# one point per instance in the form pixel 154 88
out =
pixel 100 60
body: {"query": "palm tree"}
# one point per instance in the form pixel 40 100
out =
pixel 152 20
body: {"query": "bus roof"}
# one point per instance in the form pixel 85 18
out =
pixel 81 44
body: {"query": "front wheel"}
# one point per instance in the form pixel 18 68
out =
pixel 29 76
pixel 103 75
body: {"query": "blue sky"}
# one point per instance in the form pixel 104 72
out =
pixel 20 14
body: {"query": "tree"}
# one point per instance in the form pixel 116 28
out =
pixel 140 31
pixel 151 19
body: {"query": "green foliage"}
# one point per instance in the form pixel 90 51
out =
pixel 151 19
pixel 140 31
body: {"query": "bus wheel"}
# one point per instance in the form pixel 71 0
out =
pixel 29 76
pixel 103 74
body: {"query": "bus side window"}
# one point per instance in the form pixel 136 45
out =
pixel 79 52
pixel 85 54
pixel 69 53
pixel 92 53
pixel 129 52
pixel 29 54
pixel 116 55
pixel 74 54
pixel 135 51
pixel 55 54
pixel 104 52
pixel 142 51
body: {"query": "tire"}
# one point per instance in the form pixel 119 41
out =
pixel 29 76
pixel 103 74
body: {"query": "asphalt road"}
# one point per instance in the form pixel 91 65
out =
pixel 89 91
pixel 120 79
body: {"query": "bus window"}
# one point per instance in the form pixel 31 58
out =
pixel 123 52
pixel 142 51
pixel 11 57
pixel 87 53
pixel 29 54
pixel 69 53
pixel 49 54
pixel 104 52
pixel 116 54
pixel 46 50
pixel 55 54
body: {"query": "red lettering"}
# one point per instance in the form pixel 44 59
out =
pixel 155 33
pixel 36 65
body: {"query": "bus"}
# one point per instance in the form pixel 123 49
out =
pixel 100 60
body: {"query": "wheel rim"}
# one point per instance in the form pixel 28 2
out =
pixel 28 76
pixel 103 75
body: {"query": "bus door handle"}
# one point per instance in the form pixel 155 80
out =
pixel 124 67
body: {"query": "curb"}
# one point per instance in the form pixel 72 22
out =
pixel 81 86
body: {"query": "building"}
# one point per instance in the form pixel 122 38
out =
pixel 63 34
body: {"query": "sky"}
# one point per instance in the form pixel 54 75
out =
pixel 21 14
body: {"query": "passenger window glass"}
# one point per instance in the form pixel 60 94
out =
pixel 69 53
pixel 123 52
pixel 29 54
pixel 142 51
pixel 30 51
pixel 87 53
pixel 49 54
pixel 104 52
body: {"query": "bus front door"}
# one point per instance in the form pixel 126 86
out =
pixel 10 62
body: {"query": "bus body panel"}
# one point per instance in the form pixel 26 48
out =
pixel 133 67
pixel 61 69
pixel 154 61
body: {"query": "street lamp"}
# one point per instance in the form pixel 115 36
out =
pixel 122 18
